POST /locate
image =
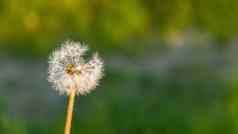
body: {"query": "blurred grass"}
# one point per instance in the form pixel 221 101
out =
pixel 35 27
pixel 183 95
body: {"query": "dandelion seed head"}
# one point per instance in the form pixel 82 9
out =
pixel 68 69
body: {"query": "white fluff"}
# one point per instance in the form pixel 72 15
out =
pixel 68 69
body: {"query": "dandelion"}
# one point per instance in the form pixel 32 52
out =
pixel 72 75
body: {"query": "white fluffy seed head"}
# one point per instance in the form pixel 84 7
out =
pixel 68 70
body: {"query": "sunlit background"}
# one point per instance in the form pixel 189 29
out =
pixel 171 66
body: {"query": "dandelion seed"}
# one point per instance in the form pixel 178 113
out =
pixel 70 74
pixel 67 68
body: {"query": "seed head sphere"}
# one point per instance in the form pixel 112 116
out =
pixel 68 70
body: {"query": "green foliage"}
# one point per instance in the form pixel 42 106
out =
pixel 34 27
pixel 12 126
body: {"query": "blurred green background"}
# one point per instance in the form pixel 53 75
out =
pixel 170 66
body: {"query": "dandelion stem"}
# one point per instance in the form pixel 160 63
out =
pixel 69 112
